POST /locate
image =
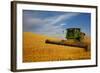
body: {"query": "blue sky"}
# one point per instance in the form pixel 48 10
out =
pixel 55 23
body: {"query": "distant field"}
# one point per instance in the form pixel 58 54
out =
pixel 36 50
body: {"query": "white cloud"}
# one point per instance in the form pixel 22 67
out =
pixel 63 24
pixel 50 25
pixel 63 17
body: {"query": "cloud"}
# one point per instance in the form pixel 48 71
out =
pixel 63 24
pixel 64 17
pixel 51 25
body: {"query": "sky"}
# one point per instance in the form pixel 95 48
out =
pixel 55 23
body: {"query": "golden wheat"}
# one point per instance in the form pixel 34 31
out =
pixel 35 50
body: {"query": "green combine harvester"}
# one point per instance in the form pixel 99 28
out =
pixel 74 38
pixel 75 34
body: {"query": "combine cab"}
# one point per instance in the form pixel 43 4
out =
pixel 75 34
pixel 74 38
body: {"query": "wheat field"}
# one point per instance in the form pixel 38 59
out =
pixel 36 50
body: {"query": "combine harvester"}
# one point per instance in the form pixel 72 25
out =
pixel 74 38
